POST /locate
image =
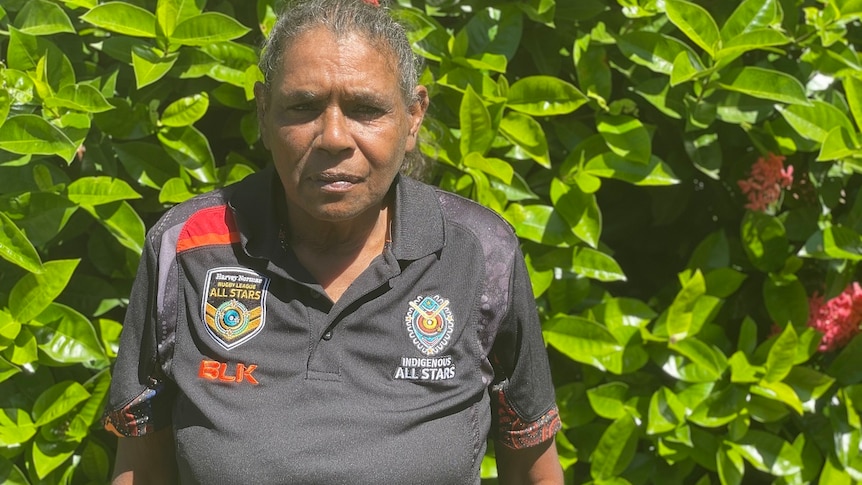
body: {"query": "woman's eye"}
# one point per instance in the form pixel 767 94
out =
pixel 367 111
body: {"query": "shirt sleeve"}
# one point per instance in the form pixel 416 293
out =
pixel 524 410
pixel 140 397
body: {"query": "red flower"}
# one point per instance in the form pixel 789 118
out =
pixel 376 3
pixel 837 319
pixel 768 177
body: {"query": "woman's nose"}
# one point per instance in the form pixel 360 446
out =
pixel 335 134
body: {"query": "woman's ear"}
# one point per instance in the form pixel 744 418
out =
pixel 261 99
pixel 417 114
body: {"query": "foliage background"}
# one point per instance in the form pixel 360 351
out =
pixel 611 134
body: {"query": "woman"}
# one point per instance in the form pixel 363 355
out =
pixel 328 320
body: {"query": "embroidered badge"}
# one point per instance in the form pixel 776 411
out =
pixel 429 323
pixel 234 308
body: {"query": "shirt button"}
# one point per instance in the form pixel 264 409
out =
pixel 314 294
pixel 327 335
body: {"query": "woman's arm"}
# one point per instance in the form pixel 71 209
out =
pixel 536 465
pixel 146 460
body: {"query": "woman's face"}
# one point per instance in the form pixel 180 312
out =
pixel 337 124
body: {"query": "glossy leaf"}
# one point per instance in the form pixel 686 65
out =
pixel 40 17
pixel 121 220
pixel 750 15
pixel 190 148
pixel 31 134
pixel 491 166
pixel 49 455
pixel 150 65
pixel 731 468
pixel 627 137
pixel 122 18
pixel 615 449
pixel 185 111
pixel 696 23
pixel 652 50
pixel 710 361
pixel 57 401
pixel 786 300
pixel 781 355
pixel 207 28
pixel 94 191
pixel 679 316
pixel 68 337
pixel 527 134
pixel 853 90
pixel 814 122
pixel 544 96
pixel 765 241
pixel 477 133
pixel 34 292
pixel 579 210
pixel 608 400
pixel 16 248
pixel 597 265
pixel 766 84
pixel 171 12
pixel 666 412
pixel 80 97
pixel 581 340
pixel 768 453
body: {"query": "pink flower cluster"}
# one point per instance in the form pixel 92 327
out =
pixel 763 186
pixel 376 3
pixel 838 319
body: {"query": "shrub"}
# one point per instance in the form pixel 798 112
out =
pixel 683 177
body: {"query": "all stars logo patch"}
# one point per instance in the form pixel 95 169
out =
pixel 429 323
pixel 235 305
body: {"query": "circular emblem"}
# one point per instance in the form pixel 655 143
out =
pixel 429 323
pixel 231 318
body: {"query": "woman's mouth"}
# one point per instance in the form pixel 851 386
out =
pixel 336 182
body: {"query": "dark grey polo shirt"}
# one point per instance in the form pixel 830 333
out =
pixel 264 380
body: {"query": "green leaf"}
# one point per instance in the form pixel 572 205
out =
pixel 525 132
pixel 539 223
pixel 57 401
pixel 16 248
pixel 654 51
pixel 781 355
pixel 597 265
pixel 730 466
pixel 34 292
pixel 544 96
pixel 50 455
pixel 40 17
pixel 94 191
pixel 67 337
pixel 696 23
pixel 786 300
pixel 191 149
pixel 809 385
pixel 723 282
pixel 765 84
pixel 171 12
pixel 626 136
pixel 477 133
pixel 79 97
pixel 615 449
pixel 838 144
pixel 30 134
pixel 815 121
pixel 765 241
pixel 609 400
pixel 207 28
pixel 853 91
pixel 666 412
pixel 679 314
pixel 16 428
pixel 611 165
pixel 741 371
pixel 768 453
pixel 150 65
pixel 185 111
pixel 121 220
pixel 579 210
pixel 10 474
pixel 491 166
pixel 750 15
pixel 122 18
pixel 710 361
pixel 233 61
pixel 749 41
pixel 720 407
pixel 147 163
pixel 581 340
pixel 175 191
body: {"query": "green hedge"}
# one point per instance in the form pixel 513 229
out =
pixel 683 177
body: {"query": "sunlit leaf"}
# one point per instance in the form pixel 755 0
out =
pixel 544 96
pixel 35 291
pixel 16 248
pixel 122 18
pixel 696 23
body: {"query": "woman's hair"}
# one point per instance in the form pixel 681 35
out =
pixel 343 17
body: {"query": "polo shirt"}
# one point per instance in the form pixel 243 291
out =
pixel 230 341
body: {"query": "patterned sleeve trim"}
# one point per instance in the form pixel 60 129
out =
pixel 517 433
pixel 139 416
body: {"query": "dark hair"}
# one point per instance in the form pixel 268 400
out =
pixel 343 17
